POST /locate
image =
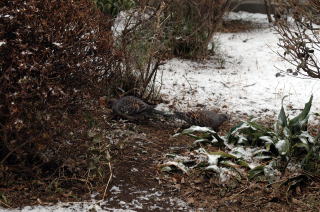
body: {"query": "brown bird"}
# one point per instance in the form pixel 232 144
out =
pixel 203 118
pixel 132 108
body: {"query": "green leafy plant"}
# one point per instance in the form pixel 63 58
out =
pixel 289 139
pixel 264 152
pixel 114 7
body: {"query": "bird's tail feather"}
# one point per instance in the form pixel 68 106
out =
pixel 180 115
pixel 166 114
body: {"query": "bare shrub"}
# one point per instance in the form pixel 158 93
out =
pixel 138 36
pixel 191 25
pixel 300 38
pixel 153 31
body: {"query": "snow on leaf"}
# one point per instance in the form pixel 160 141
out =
pixel 243 125
pixel 198 129
pixel 178 165
pixel 266 138
pixel 307 136
pixel 282 146
pixel 242 140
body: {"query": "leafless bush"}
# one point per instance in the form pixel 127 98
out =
pixel 189 25
pixel 300 37
pixel 138 36
pixel 192 24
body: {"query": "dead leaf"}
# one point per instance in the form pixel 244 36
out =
pixel 190 201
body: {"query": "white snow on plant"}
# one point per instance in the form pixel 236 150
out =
pixel 224 173
pixel 266 138
pixel 306 138
pixel 281 146
pixel 213 159
pixel 126 20
pixel 57 44
pixel 198 129
pixel 115 190
pixel 178 165
pixel 245 153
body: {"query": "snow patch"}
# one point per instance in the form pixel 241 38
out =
pixel 248 85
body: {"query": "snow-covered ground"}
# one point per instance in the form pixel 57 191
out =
pixel 248 83
pixel 160 202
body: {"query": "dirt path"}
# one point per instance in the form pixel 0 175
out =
pixel 136 184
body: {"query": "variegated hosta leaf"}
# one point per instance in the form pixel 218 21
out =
pixel 193 129
pixel 237 128
pixel 305 137
pixel 302 145
pixel 167 166
pixel 282 120
pixel 300 121
pixel 283 146
pixel 255 172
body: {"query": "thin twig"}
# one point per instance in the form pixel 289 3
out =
pixel 187 82
pixel 224 84
pixel 249 85
pixel 109 180
pixel 5 204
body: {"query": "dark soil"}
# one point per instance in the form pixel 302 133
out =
pixel 236 26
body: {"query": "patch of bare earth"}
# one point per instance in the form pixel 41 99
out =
pixel 136 184
pixel 236 26
pixel 138 180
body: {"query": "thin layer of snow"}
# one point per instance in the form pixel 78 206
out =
pixel 213 159
pixel 115 190
pixel 243 152
pixel 136 204
pixel 68 207
pixel 247 85
pixel 224 173
pixel 57 44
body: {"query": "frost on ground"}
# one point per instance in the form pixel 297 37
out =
pixel 161 202
pixel 248 83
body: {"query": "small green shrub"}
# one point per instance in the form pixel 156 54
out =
pixel 290 139
pixel 114 7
